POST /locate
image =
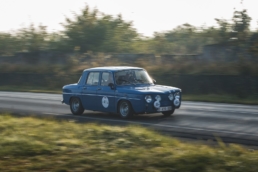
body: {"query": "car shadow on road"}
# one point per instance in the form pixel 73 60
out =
pixel 152 118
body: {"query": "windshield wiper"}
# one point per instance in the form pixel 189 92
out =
pixel 139 80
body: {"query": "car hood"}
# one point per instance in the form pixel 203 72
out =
pixel 68 88
pixel 148 89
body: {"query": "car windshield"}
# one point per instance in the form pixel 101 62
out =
pixel 135 76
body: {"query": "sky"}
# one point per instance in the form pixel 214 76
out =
pixel 148 16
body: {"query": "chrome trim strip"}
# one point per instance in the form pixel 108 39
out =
pixel 129 98
pixel 134 98
pixel 102 95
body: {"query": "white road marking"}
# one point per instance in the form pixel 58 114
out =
pixel 217 110
pixel 49 113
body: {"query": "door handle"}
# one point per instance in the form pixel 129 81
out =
pixel 85 88
pixel 99 89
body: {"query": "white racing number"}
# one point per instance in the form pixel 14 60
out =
pixel 105 102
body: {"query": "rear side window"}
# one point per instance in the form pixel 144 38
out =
pixel 93 78
pixel 107 78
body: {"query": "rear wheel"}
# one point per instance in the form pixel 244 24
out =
pixel 125 110
pixel 168 113
pixel 76 106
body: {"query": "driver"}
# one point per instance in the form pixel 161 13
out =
pixel 129 77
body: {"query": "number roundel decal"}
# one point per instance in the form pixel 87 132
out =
pixel 105 102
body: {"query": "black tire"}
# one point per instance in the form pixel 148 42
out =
pixel 125 109
pixel 168 113
pixel 76 106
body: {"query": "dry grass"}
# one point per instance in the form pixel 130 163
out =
pixel 30 144
pixel 251 100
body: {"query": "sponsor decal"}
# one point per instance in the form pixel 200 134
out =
pixel 157 104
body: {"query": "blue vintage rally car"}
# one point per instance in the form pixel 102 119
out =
pixel 122 90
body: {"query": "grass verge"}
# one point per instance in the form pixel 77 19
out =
pixel 31 144
pixel 252 100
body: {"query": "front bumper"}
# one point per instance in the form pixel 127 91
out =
pixel 145 107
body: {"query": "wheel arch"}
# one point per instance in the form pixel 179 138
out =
pixel 75 108
pixel 74 97
pixel 117 105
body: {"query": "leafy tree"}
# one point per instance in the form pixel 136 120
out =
pixel 241 23
pixel 92 30
pixel 95 31
pixel 7 44
pixel 253 47
pixel 58 42
pixel 84 31
pixel 223 33
pixel 119 36
pixel 185 39
pixel 32 39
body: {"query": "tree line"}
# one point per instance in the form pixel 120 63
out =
pixel 94 31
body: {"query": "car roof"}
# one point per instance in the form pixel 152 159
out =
pixel 112 68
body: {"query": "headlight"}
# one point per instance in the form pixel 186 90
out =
pixel 176 102
pixel 170 96
pixel 158 98
pixel 177 95
pixel 148 98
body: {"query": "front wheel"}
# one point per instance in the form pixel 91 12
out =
pixel 168 113
pixel 125 110
pixel 76 106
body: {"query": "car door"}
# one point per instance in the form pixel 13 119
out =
pixel 89 91
pixel 106 95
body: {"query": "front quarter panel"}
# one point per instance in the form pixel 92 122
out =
pixel 136 96
pixel 135 100
pixel 72 90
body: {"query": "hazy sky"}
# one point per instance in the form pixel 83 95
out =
pixel 147 15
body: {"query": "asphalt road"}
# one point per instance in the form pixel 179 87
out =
pixel 195 120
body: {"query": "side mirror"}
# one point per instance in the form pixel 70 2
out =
pixel 154 81
pixel 112 86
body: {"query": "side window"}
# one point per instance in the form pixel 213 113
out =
pixel 93 78
pixel 106 78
